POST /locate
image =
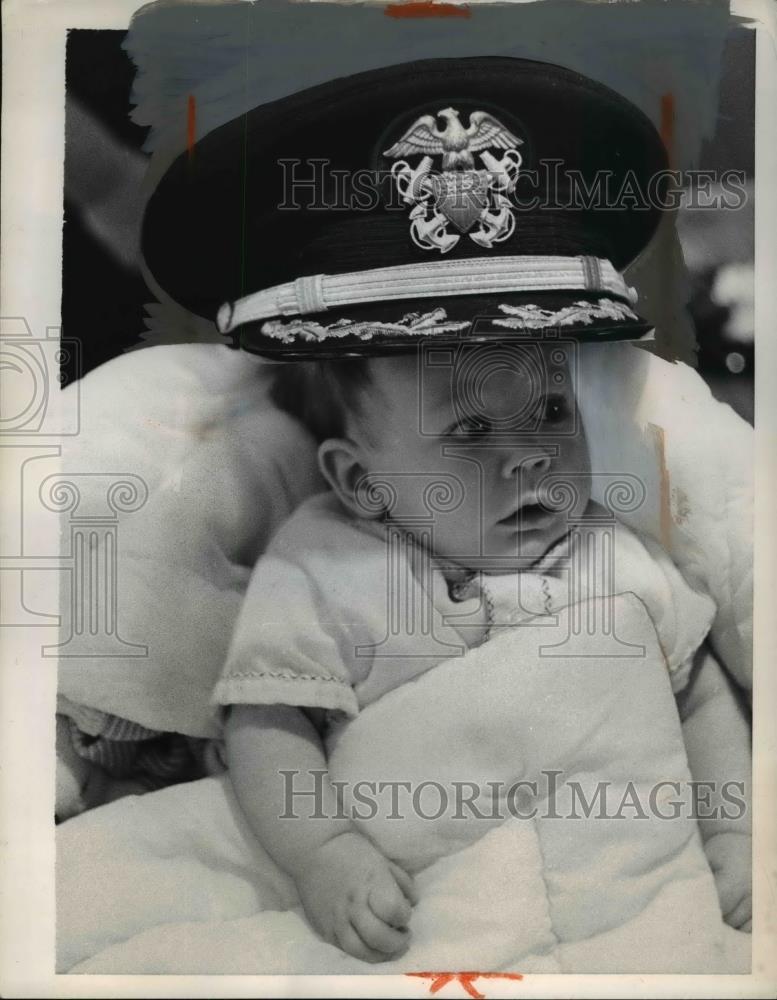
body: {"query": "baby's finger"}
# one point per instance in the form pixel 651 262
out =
pixel 406 882
pixel 350 941
pixel 731 896
pixel 434 582
pixel 730 891
pixel 463 604
pixel 388 903
pixel 377 934
pixel 741 913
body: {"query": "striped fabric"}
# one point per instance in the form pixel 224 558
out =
pixel 125 749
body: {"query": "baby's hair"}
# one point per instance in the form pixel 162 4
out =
pixel 321 393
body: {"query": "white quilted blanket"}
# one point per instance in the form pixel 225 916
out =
pixel 535 886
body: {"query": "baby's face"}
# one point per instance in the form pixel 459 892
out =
pixel 497 432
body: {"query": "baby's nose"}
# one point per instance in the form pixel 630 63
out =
pixel 519 462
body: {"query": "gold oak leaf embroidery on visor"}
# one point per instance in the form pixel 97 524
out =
pixel 526 317
pixel 533 317
pixel 435 321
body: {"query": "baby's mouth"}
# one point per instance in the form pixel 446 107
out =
pixel 531 516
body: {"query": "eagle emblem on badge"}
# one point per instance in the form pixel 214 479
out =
pixel 473 200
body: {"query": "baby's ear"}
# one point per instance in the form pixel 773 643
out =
pixel 342 464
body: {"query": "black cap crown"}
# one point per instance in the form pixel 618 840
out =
pixel 476 197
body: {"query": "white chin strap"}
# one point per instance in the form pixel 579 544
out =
pixel 439 279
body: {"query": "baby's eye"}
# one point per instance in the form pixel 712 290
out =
pixel 556 409
pixel 472 427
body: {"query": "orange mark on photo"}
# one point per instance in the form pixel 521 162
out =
pixel 191 124
pixel 667 125
pixel 426 8
pixel 465 979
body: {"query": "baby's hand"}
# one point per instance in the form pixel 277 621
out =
pixel 357 899
pixel 729 858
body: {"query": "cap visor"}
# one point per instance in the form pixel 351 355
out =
pixel 384 328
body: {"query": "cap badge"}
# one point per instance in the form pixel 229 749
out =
pixel 472 200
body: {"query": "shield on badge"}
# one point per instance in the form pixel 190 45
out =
pixel 461 196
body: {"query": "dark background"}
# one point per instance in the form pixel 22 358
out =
pixel 102 296
pixel 103 293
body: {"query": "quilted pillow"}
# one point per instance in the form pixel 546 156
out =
pixel 222 468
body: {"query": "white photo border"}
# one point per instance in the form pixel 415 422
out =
pixel 34 35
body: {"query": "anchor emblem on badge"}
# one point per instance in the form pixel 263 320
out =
pixel 473 200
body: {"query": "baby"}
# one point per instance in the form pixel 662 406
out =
pixel 320 598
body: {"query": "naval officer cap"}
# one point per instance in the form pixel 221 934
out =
pixel 469 199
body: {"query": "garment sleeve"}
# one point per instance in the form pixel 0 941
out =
pixel 283 650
